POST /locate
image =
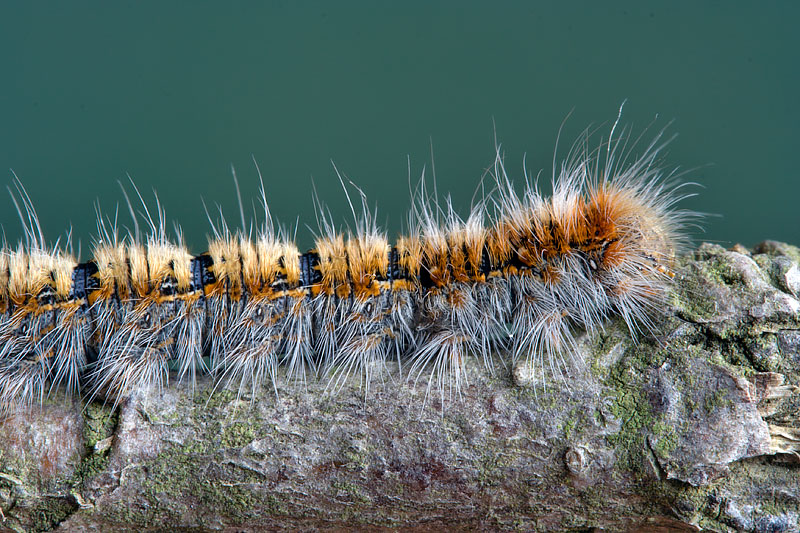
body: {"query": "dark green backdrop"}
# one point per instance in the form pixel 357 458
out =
pixel 173 93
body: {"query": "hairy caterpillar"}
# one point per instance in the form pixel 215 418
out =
pixel 517 276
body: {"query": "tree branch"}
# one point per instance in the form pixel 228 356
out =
pixel 697 428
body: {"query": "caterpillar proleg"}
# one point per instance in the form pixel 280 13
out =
pixel 515 279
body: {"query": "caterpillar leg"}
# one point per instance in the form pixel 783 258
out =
pixel 39 353
pixel 68 341
pixel 453 324
pixel 636 289
pixel 251 347
pixel 441 357
pixel 23 368
pixel 356 338
pixel 187 351
pixel 297 337
pixel 542 328
pixel 134 355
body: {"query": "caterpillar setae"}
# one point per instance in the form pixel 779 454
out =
pixel 516 277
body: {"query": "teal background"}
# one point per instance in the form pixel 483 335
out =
pixel 173 93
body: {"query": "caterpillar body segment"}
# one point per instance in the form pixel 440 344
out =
pixel 514 281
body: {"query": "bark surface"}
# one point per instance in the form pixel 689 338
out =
pixel 695 428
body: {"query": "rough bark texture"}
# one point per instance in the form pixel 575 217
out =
pixel 698 428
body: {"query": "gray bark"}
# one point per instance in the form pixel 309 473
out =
pixel 697 428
